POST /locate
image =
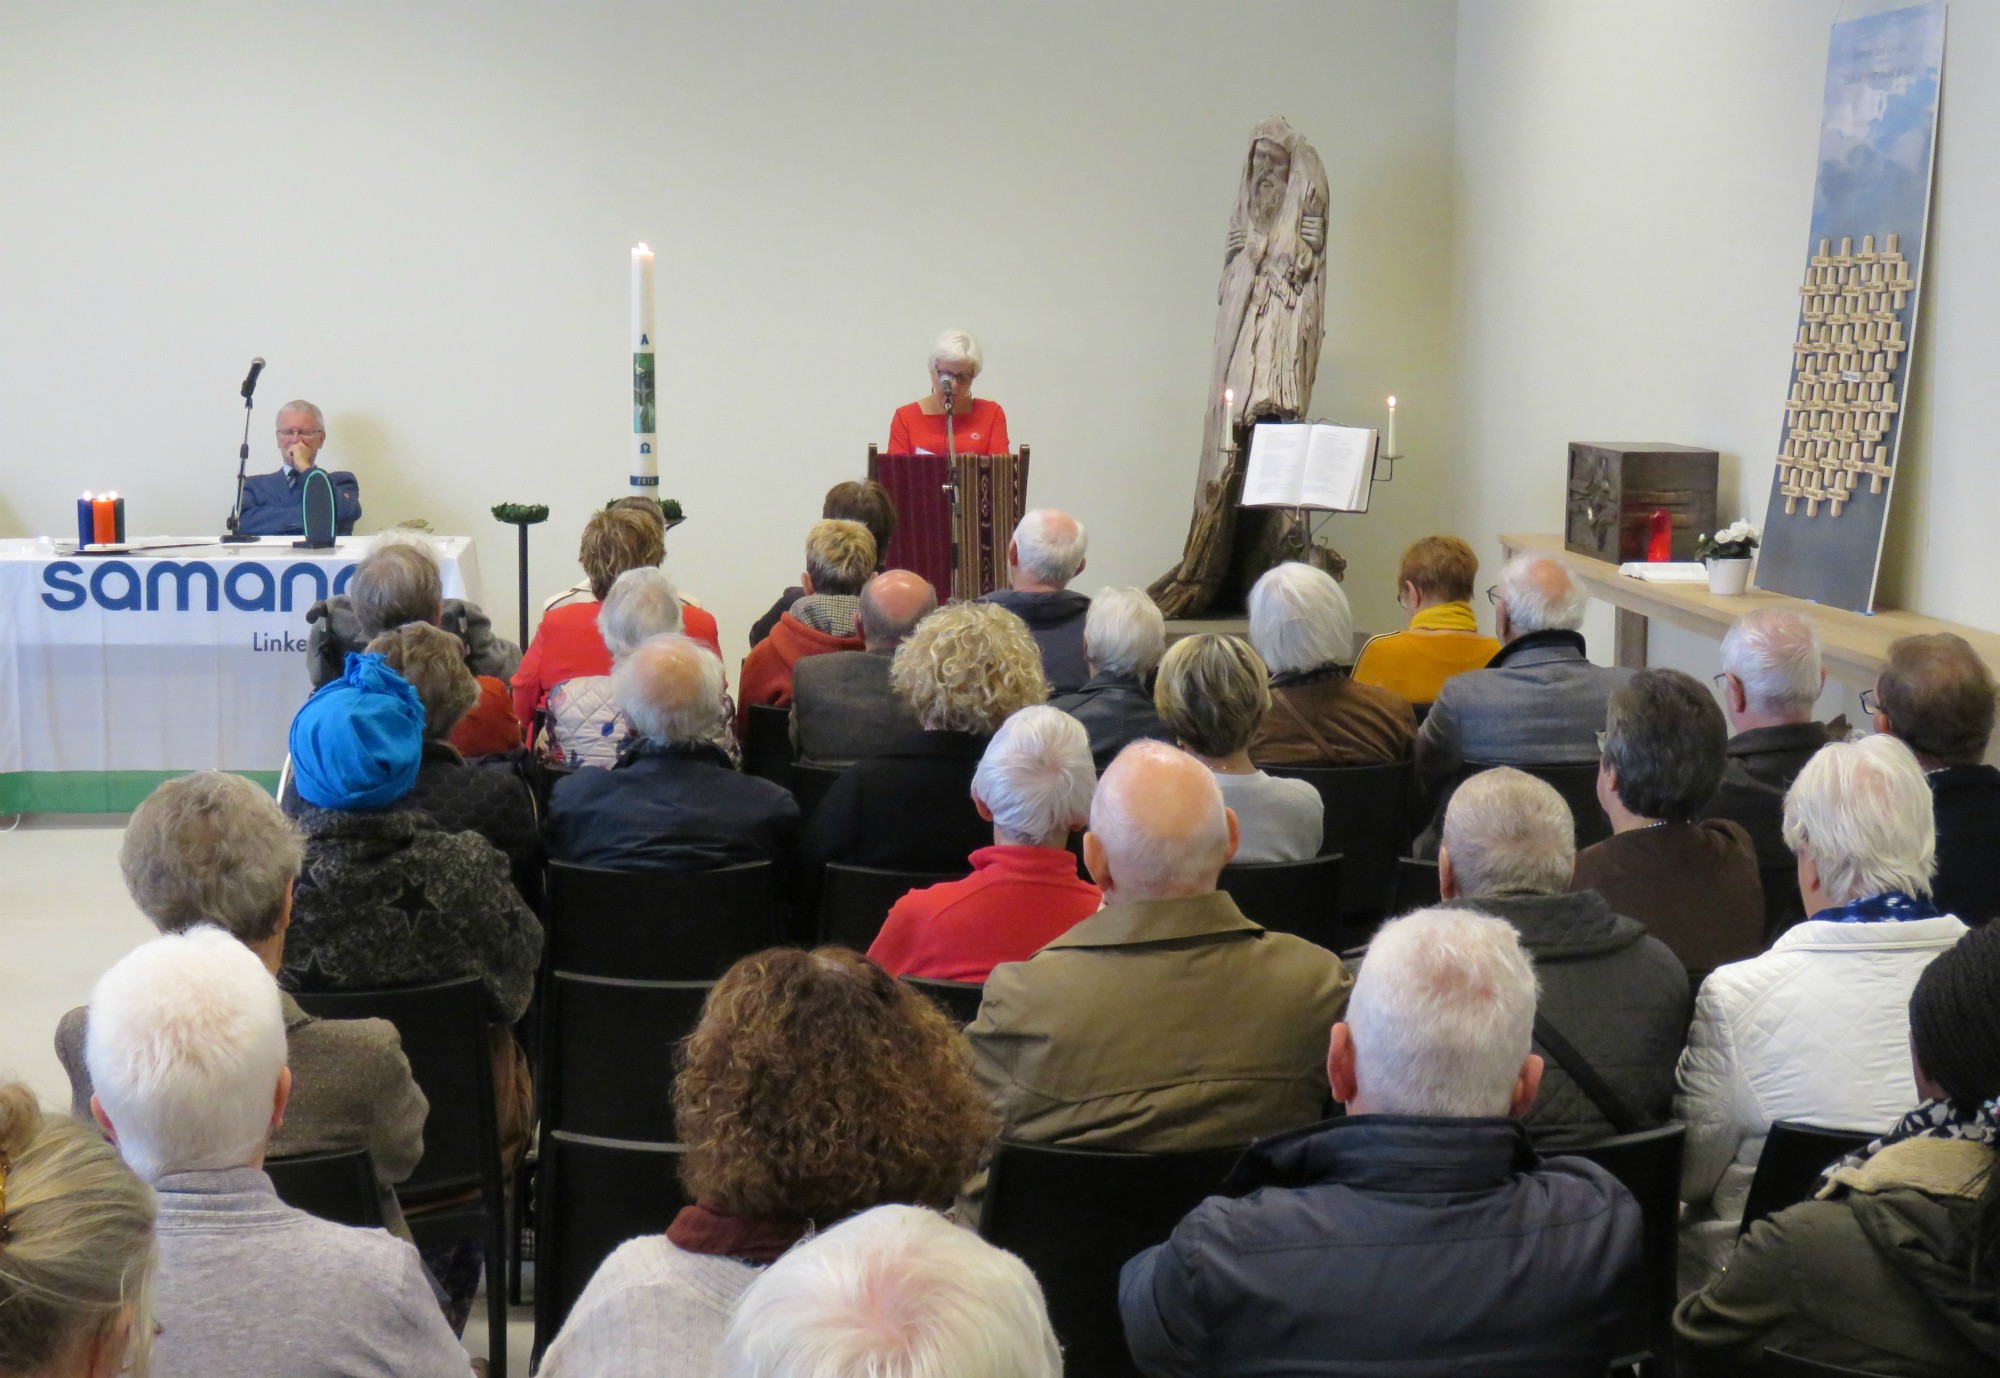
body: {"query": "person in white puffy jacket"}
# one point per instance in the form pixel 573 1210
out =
pixel 1816 1029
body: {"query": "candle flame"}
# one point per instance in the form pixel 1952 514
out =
pixel 1392 404
pixel 1228 398
pixel 641 249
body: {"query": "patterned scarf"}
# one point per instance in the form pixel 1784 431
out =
pixel 1891 906
pixel 1934 1119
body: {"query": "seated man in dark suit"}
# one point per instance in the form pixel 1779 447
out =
pixel 672 803
pixel 842 705
pixel 272 502
pixel 1936 694
pixel 1124 637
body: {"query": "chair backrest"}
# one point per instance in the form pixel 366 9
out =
pixel 1794 1156
pixel 809 785
pixel 958 999
pixel 1301 897
pixel 1416 885
pixel 1367 821
pixel 855 900
pixel 1775 1363
pixel 608 1053
pixel 1576 782
pixel 1075 1215
pixel 591 1195
pixel 661 925
pixel 767 743
pixel 338 1186
pixel 1649 1164
pixel 444 1034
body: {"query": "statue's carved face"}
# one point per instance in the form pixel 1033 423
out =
pixel 1270 167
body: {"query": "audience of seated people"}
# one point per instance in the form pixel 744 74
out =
pixel 1320 715
pixel 1818 1027
pixel 1693 884
pixel 1539 701
pixel 1166 1020
pixel 76 1248
pixel 1771 678
pixel 963 671
pixel 840 558
pixel 1937 695
pixel 858 500
pixel 1615 996
pixel 843 707
pixel 1434 586
pixel 1894 1267
pixel 1419 1232
pixel 187 1055
pixel 1034 784
pixel 568 642
pixel 211 848
pixel 815 1086
pixel 1212 693
pixel 894 1292
pixel 672 802
pixel 1044 554
pixel 1124 637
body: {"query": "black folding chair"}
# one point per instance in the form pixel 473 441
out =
pixel 1075 1215
pixel 661 925
pixel 1576 782
pixel 854 901
pixel 1299 897
pixel 445 1037
pixel 592 1195
pixel 608 1060
pixel 1367 820
pixel 958 999
pixel 338 1186
pixel 767 743
pixel 1416 885
pixel 1789 1168
pixel 809 784
pixel 1649 1164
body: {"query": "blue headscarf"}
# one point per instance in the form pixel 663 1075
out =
pixel 358 740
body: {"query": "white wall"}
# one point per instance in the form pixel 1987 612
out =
pixel 420 214
pixel 1633 192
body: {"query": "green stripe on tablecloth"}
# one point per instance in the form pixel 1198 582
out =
pixel 93 791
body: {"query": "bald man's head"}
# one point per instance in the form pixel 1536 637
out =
pixel 1158 826
pixel 892 603
pixel 1537 594
pixel 671 688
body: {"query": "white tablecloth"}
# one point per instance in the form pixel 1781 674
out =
pixel 133 667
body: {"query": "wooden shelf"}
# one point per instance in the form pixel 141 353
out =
pixel 1853 646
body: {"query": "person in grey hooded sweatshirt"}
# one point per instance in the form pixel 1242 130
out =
pixel 1046 552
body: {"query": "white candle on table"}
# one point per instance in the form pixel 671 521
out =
pixel 1389 445
pixel 645 438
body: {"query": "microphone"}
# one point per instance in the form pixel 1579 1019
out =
pixel 250 381
pixel 947 382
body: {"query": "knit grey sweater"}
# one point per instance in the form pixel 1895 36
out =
pixel 651 1311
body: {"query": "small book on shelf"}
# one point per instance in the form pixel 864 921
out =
pixel 1310 464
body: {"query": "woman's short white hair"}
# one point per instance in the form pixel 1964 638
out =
pixel 639 606
pixel 671 689
pixel 894 1292
pixel 1775 652
pixel 1541 595
pixel 1863 809
pixel 185 1042
pixel 957 347
pixel 1124 633
pixel 1300 619
pixel 1507 832
pixel 1443 1015
pixel 1037 777
pixel 1051 545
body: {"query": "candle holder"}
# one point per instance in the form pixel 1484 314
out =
pixel 521 516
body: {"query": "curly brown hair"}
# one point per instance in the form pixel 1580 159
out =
pixel 817 1085
pixel 616 541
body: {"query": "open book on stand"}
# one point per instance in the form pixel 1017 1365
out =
pixel 1310 464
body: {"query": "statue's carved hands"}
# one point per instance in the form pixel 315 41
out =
pixel 1312 229
pixel 1233 245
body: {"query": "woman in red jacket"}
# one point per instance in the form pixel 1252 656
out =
pixel 978 426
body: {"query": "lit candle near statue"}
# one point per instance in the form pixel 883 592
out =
pixel 1228 419
pixel 645 437
pixel 1389 443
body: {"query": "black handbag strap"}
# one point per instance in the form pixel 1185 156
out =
pixel 1608 1102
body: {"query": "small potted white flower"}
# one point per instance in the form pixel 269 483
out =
pixel 1727 554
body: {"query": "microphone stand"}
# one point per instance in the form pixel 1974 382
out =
pixel 235 534
pixel 951 474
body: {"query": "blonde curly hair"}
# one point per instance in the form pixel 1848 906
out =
pixel 968 666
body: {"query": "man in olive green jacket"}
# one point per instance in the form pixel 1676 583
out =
pixel 1166 1021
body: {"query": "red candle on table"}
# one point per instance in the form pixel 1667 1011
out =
pixel 1659 536
pixel 104 521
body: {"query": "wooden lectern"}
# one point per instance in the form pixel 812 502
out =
pixel 954 516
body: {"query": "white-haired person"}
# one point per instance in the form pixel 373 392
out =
pixel 273 502
pixel 1124 636
pixel 673 801
pixel 1420 1232
pixel 1320 714
pixel 213 848
pixel 1213 692
pixel 1034 784
pixel 1167 1020
pixel 187 1052
pixel 894 1292
pixel 1044 554
pixel 840 560
pixel 1540 701
pixel 76 1250
pixel 1771 678
pixel 1616 996
pixel 977 425
pixel 1817 1028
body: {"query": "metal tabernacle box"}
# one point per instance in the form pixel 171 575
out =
pixel 1614 487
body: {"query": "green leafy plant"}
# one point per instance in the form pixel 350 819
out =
pixel 521 513
pixel 1733 542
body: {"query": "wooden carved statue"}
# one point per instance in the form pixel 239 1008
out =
pixel 1266 353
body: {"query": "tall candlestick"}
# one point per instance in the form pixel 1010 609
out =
pixel 1389 445
pixel 645 438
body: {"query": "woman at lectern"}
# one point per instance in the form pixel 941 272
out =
pixel 978 426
